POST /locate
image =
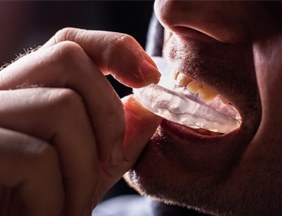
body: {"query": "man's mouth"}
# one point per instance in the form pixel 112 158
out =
pixel 187 102
pixel 207 96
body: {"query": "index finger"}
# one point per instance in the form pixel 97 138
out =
pixel 117 54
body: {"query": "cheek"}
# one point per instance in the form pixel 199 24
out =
pixel 268 66
pixel 262 161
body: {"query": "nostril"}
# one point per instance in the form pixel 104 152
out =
pixel 193 34
pixel 209 20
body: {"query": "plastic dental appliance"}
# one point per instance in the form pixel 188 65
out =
pixel 174 103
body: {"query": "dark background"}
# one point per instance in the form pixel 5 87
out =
pixel 26 25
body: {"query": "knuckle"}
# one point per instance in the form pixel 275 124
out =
pixel 68 51
pixel 64 34
pixel 128 45
pixel 47 154
pixel 66 100
pixel 69 58
pixel 44 158
pixel 65 48
pixel 124 40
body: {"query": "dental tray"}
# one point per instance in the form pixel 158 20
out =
pixel 167 100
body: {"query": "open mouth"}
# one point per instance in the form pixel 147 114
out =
pixel 207 96
pixel 183 100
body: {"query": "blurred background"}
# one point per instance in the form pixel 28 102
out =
pixel 27 24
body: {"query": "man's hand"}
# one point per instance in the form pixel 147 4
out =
pixel 69 138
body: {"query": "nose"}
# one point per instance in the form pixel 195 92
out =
pixel 221 21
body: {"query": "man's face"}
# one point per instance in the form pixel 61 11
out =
pixel 234 48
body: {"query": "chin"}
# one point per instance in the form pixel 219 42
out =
pixel 186 172
pixel 219 175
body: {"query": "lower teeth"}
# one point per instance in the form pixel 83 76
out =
pixel 172 103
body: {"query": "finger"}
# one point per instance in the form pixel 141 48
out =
pixel 67 65
pixel 113 53
pixel 140 127
pixel 31 166
pixel 59 117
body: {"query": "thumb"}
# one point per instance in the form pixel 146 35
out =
pixel 140 127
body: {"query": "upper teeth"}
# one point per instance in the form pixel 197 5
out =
pixel 194 86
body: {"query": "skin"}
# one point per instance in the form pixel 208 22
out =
pixel 234 47
pixel 66 137
pixel 61 119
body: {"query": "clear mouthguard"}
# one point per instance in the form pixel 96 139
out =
pixel 174 103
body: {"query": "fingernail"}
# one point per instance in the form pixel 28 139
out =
pixel 150 60
pixel 150 71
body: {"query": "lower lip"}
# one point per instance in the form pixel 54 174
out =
pixel 184 133
pixel 188 150
pixel 195 154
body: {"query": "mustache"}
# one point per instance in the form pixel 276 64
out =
pixel 220 65
pixel 192 58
